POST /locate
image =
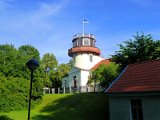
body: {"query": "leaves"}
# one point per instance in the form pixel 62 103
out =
pixel 140 48
pixel 49 61
pixel 15 77
pixel 105 74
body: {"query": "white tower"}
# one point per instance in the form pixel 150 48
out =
pixel 86 56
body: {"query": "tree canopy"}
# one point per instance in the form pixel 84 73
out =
pixel 49 61
pixel 105 74
pixel 15 76
pixel 140 48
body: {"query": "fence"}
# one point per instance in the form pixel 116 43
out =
pixel 81 89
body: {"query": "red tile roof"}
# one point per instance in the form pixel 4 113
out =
pixel 105 62
pixel 139 77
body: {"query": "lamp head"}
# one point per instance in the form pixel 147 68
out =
pixel 32 64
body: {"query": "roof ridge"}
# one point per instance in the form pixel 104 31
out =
pixel 142 62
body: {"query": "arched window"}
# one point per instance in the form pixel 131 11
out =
pixel 90 58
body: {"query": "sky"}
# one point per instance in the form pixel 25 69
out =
pixel 49 25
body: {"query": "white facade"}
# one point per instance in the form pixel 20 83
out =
pixel 86 60
pixel 85 75
pixel 76 76
pixel 79 74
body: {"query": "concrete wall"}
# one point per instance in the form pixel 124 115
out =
pixel 120 107
pixel 151 108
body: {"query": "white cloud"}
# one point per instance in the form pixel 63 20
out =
pixel 47 10
pixel 36 20
pixel 4 4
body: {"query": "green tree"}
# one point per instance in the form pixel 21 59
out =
pixel 71 63
pixel 13 93
pixel 26 52
pixel 15 77
pixel 57 74
pixel 29 52
pixel 49 64
pixel 49 61
pixel 8 60
pixel 105 74
pixel 141 48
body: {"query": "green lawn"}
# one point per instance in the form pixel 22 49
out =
pixel 91 106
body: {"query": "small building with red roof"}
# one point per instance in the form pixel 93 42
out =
pixel 135 94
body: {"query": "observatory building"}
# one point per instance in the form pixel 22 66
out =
pixel 86 58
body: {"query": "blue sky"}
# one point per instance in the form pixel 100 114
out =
pixel 49 25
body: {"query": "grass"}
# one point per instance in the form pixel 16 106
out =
pixel 91 106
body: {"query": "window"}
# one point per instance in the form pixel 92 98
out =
pixel 136 109
pixel 79 42
pixel 74 43
pixel 92 42
pixel 90 58
pixel 75 82
pixel 86 41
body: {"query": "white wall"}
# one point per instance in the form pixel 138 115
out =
pixel 83 61
pixel 84 77
pixel 74 72
pixel 81 77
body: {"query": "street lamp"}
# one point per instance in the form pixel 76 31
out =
pixel 32 64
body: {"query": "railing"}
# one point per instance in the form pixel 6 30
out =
pixel 83 89
pixel 84 35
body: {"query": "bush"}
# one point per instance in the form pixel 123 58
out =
pixel 14 94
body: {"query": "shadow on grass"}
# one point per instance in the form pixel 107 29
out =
pixel 76 107
pixel 3 117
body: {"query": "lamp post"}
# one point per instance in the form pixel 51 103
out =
pixel 32 64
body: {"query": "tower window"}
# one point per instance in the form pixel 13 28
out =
pixel 74 43
pixel 136 109
pixel 92 42
pixel 90 58
pixel 79 42
pixel 86 41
